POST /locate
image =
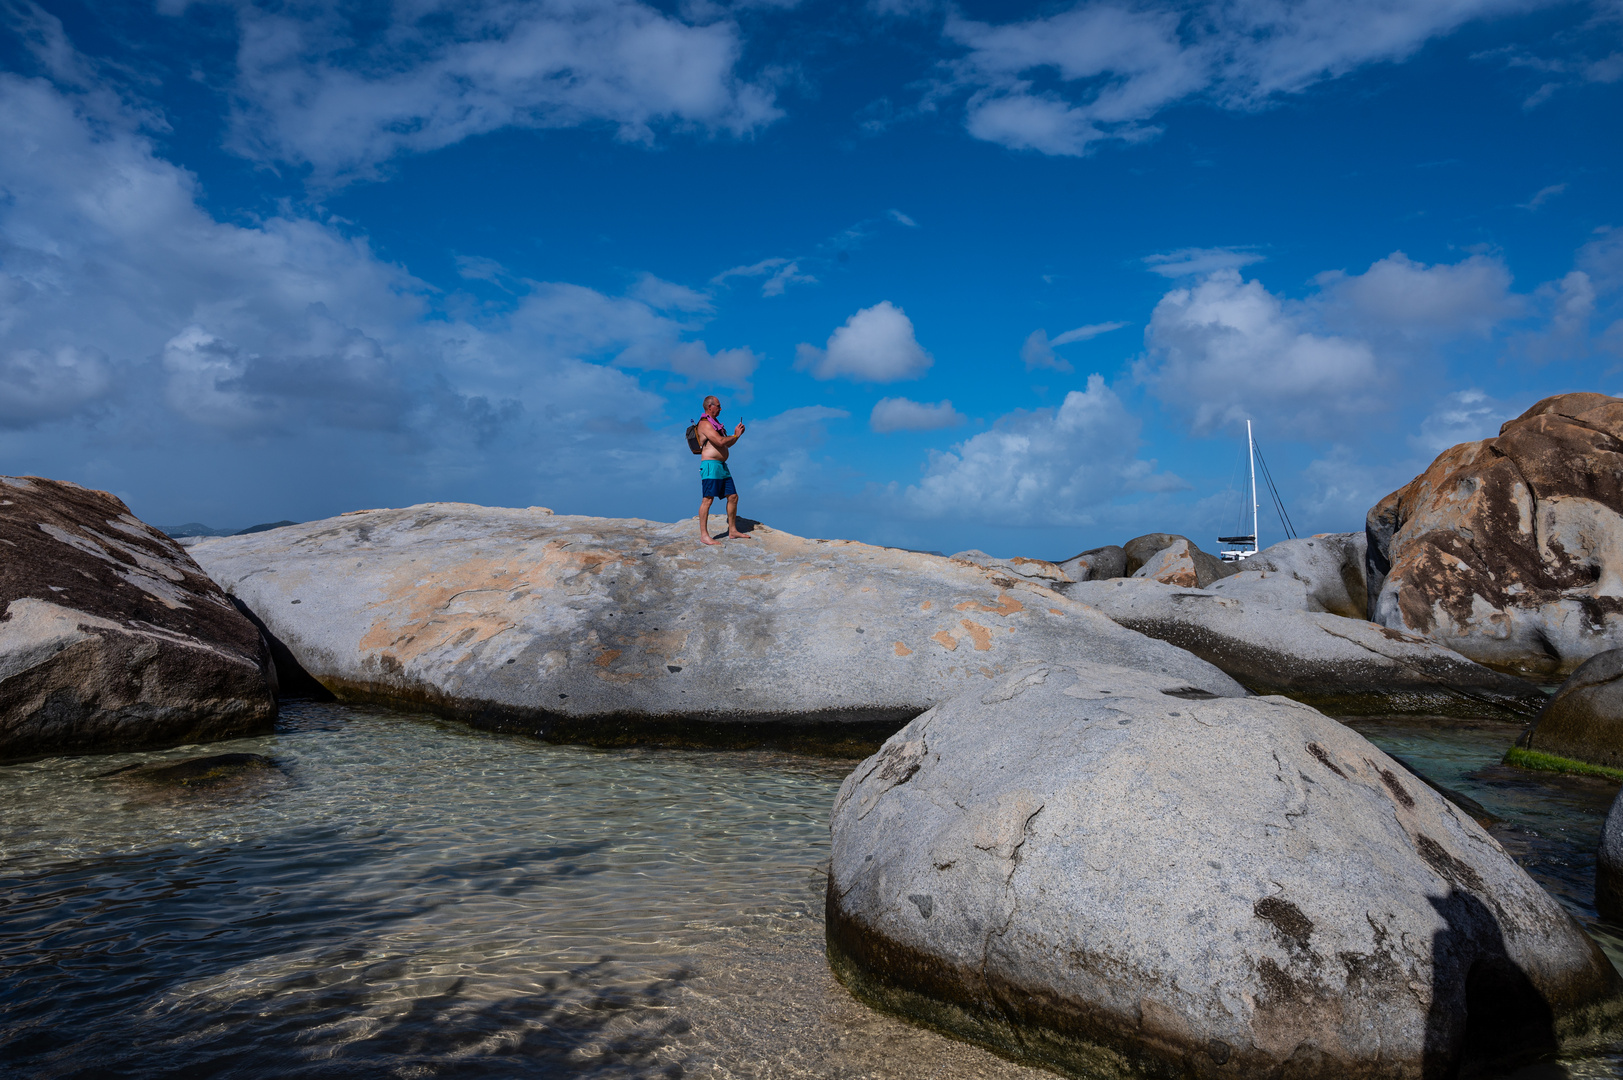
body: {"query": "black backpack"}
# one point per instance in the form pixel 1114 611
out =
pixel 693 438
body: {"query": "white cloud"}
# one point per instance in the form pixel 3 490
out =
pixel 902 414
pixel 1118 65
pixel 122 298
pixel 902 219
pixel 1543 195
pixel 317 86
pixel 1049 467
pixel 1227 349
pixel 40 385
pixel 664 295
pixel 875 345
pixel 779 273
pixel 1463 416
pixel 1397 295
pixel 1197 262
pixel 1038 350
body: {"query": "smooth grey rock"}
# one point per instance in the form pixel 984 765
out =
pixel 1097 564
pixel 603 630
pixel 1584 720
pixel 1080 868
pixel 1315 573
pixel 1345 666
pixel 111 637
pixel 1609 865
pixel 1031 569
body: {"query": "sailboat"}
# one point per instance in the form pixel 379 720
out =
pixel 1236 554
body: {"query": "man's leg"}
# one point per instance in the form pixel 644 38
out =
pixel 732 519
pixel 704 521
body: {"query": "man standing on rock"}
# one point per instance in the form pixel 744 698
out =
pixel 714 477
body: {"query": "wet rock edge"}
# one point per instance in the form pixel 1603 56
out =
pixel 1032 1027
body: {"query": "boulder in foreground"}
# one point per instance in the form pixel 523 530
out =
pixel 111 638
pixel 1079 868
pixel 1584 720
pixel 1609 865
pixel 1510 550
pixel 1345 666
pixel 613 630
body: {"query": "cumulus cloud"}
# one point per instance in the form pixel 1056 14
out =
pixel 875 345
pixel 1049 467
pixel 41 385
pixel 1400 296
pixel 1196 262
pixel 1227 348
pixel 903 414
pixel 1038 351
pixel 1100 69
pixel 320 85
pixel 120 296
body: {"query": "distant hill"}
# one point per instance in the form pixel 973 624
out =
pixel 192 528
pixel 197 528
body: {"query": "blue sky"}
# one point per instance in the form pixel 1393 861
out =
pixel 976 275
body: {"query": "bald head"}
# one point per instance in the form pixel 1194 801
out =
pixel 712 402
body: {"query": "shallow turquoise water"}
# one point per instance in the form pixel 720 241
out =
pixel 409 898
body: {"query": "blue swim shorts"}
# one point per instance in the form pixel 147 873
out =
pixel 715 480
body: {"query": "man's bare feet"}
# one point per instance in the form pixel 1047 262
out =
pixel 704 538
pixel 734 534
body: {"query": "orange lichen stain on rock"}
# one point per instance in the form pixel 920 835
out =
pixel 1055 611
pixel 926 606
pixel 980 635
pixel 457 607
pixel 945 640
pixel 903 650
pixel 663 642
pixel 755 577
pixel 607 657
pixel 1006 605
pixel 988 672
pixel 866 588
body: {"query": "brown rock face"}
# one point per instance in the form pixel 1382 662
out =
pixel 111 638
pixel 1174 560
pixel 1510 550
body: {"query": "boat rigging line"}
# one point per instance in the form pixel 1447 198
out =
pixel 1273 491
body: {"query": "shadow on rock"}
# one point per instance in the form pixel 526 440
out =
pixel 1503 1019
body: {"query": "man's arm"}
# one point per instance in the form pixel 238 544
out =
pixel 721 441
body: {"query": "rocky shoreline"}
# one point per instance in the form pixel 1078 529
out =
pixel 1108 827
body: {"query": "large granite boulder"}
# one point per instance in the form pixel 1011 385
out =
pixel 1584 720
pixel 1609 865
pixel 1097 564
pixel 603 630
pixel 1315 573
pixel 1078 867
pixel 1510 550
pixel 111 638
pixel 1346 666
pixel 1174 560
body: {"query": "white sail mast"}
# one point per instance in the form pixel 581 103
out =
pixel 1251 455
